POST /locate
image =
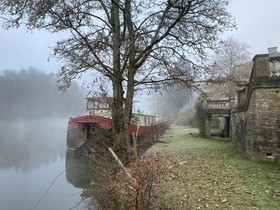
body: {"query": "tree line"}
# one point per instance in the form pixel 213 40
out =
pixel 31 93
pixel 177 106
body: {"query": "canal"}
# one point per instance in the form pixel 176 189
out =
pixel 36 171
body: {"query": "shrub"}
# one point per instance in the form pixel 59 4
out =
pixel 140 189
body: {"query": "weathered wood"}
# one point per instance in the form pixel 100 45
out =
pixel 135 146
pixel 131 179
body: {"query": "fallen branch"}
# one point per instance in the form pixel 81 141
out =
pixel 135 147
pixel 132 180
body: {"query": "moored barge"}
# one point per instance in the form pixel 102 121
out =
pixel 86 128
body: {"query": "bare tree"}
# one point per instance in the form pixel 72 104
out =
pixel 136 44
pixel 230 53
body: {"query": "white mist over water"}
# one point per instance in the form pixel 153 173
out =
pixel 32 155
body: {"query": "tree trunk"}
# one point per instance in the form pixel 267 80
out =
pixel 131 68
pixel 120 132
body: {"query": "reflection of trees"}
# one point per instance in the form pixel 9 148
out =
pixel 25 145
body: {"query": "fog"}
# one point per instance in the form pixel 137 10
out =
pixel 33 128
pixel 33 94
pixel 34 168
pixel 177 106
pixel 33 117
pixel 27 144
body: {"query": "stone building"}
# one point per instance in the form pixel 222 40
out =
pixel 221 98
pixel 255 120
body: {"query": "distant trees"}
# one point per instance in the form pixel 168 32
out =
pixel 177 106
pixel 33 94
pixel 231 52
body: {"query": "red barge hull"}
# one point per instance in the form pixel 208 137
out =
pixel 82 130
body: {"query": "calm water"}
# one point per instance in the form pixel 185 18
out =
pixel 36 172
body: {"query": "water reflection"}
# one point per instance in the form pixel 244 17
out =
pixel 25 145
pixel 78 174
pixel 32 155
pixel 77 170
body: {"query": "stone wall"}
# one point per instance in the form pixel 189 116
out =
pixel 256 131
pixel 255 121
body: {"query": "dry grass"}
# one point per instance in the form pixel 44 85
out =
pixel 212 174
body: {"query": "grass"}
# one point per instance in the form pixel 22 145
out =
pixel 212 174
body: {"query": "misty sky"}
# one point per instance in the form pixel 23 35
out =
pixel 258 26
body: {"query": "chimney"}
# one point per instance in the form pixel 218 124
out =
pixel 274 58
pixel 272 51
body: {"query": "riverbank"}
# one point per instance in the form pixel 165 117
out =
pixel 212 174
